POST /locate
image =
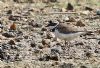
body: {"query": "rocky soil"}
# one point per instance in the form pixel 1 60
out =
pixel 26 42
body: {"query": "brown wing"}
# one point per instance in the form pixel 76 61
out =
pixel 64 28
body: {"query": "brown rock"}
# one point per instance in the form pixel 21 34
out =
pixel 11 42
pixel 80 23
pixel 13 26
pixel 88 8
pixel 88 54
pixel 9 12
pixel 45 41
pixel 70 6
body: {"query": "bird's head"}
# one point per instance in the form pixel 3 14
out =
pixel 52 25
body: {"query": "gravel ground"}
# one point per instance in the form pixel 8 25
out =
pixel 26 42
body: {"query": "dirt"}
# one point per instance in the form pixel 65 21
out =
pixel 26 42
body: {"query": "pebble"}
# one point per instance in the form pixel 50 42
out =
pixel 44 29
pixel 33 44
pixel 69 6
pixel 99 42
pixel 45 41
pixel 7 67
pixel 54 57
pixel 53 0
pixel 80 23
pixel 13 26
pixel 98 12
pixel 57 49
pixel 9 12
pixel 11 42
pixel 36 50
pixel 1 25
pixel 88 54
pixel 83 67
pixel 85 12
pixel 35 24
pixel 49 57
pixel 45 58
pixel 88 8
pixel 14 18
pixel 8 34
pixel 67 65
pixel 40 46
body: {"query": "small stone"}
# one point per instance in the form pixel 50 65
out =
pixel 13 26
pixel 17 39
pixel 11 42
pixel 54 57
pixel 72 19
pixel 53 0
pixel 96 51
pixel 2 37
pixel 45 41
pixel 80 43
pixel 70 6
pixel 88 8
pixel 50 35
pixel 19 33
pixel 2 54
pixel 45 1
pixel 14 18
pixel 56 63
pixel 67 65
pixel 97 31
pixel 35 24
pixel 63 10
pixel 40 46
pixel 36 50
pixel 26 37
pixel 80 23
pixel 88 54
pixel 7 67
pixel 31 23
pixel 8 35
pixel 85 12
pixel 99 42
pixel 83 67
pixel 1 25
pixel 98 12
pixel 17 57
pixel 88 47
pixel 14 47
pixel 66 18
pixel 33 44
pixel 56 49
pixel 43 29
pixel 46 57
pixel 9 12
pixel 41 59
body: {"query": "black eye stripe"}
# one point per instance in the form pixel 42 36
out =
pixel 52 24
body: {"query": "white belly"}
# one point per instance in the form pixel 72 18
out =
pixel 67 37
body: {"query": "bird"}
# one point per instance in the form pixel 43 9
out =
pixel 66 32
